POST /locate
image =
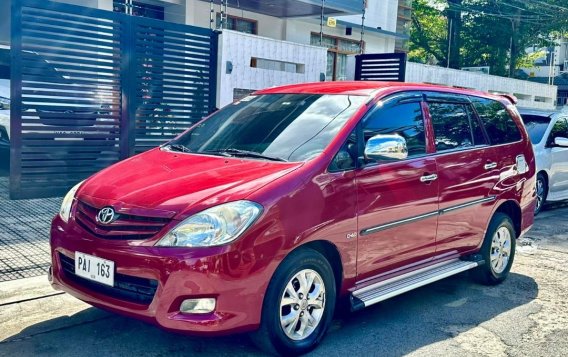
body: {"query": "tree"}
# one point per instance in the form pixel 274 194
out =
pixel 491 33
pixel 427 34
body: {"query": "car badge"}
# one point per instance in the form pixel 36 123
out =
pixel 106 215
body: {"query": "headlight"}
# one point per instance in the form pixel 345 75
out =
pixel 214 226
pixel 65 210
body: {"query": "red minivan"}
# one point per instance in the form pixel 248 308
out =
pixel 262 216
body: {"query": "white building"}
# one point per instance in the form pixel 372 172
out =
pixel 552 63
pixel 295 21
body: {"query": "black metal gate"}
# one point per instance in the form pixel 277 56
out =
pixel 91 87
pixel 384 67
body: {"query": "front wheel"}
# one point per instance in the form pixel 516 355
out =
pixel 498 251
pixel 298 306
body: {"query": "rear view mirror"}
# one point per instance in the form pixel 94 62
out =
pixel 560 141
pixel 386 147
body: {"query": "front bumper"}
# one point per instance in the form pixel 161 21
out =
pixel 166 277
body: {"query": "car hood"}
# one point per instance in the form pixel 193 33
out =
pixel 179 184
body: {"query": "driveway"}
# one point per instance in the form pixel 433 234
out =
pixel 525 316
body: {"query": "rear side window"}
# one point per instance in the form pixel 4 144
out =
pixel 499 124
pixel 404 119
pixel 536 126
pixel 454 126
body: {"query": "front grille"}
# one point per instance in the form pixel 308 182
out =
pixel 126 287
pixel 126 227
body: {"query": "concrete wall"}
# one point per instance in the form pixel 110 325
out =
pixel 300 31
pixel 379 13
pixel 530 94
pixel 197 14
pixel 239 48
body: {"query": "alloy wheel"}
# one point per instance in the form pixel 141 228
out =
pixel 302 304
pixel 500 250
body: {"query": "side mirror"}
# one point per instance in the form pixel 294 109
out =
pixel 560 141
pixel 386 147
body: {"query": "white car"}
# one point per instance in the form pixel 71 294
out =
pixel 548 131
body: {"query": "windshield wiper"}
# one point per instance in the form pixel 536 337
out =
pixel 177 147
pixel 244 153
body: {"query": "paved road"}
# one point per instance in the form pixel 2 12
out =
pixel 24 234
pixel 525 316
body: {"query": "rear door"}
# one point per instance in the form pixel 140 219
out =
pixel 397 206
pixel 465 173
pixel 558 182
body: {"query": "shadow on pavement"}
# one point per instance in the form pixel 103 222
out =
pixel 392 328
pixel 551 206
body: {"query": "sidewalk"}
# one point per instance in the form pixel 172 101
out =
pixel 24 235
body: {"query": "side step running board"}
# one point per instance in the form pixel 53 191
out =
pixel 386 289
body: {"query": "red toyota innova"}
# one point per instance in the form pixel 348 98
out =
pixel 261 216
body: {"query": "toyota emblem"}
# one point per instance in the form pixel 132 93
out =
pixel 106 215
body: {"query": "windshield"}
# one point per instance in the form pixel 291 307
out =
pixel 536 126
pixel 284 127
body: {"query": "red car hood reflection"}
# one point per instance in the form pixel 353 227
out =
pixel 169 181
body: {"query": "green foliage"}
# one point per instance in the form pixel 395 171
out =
pixel 428 33
pixel 489 30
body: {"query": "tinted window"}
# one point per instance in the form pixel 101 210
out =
pixel 536 126
pixel 560 129
pixel 478 136
pixel 293 127
pixel 498 123
pixel 405 120
pixel 454 128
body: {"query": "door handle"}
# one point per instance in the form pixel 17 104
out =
pixel 490 165
pixel 428 178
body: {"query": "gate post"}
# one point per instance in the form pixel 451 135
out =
pixel 213 59
pixel 16 101
pixel 127 87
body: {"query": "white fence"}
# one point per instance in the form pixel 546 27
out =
pixel 249 62
pixel 530 94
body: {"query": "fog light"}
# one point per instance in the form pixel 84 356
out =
pixel 198 306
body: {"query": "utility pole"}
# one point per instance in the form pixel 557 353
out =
pixel 551 68
pixel 515 25
pixel 454 33
pixel 450 22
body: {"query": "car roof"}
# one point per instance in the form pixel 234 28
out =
pixel 370 88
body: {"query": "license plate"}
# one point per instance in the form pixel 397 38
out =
pixel 94 268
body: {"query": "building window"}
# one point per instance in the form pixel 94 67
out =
pixel 239 24
pixel 138 9
pixel 337 51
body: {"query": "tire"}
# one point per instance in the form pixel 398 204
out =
pixel 298 336
pixel 500 240
pixel 541 192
